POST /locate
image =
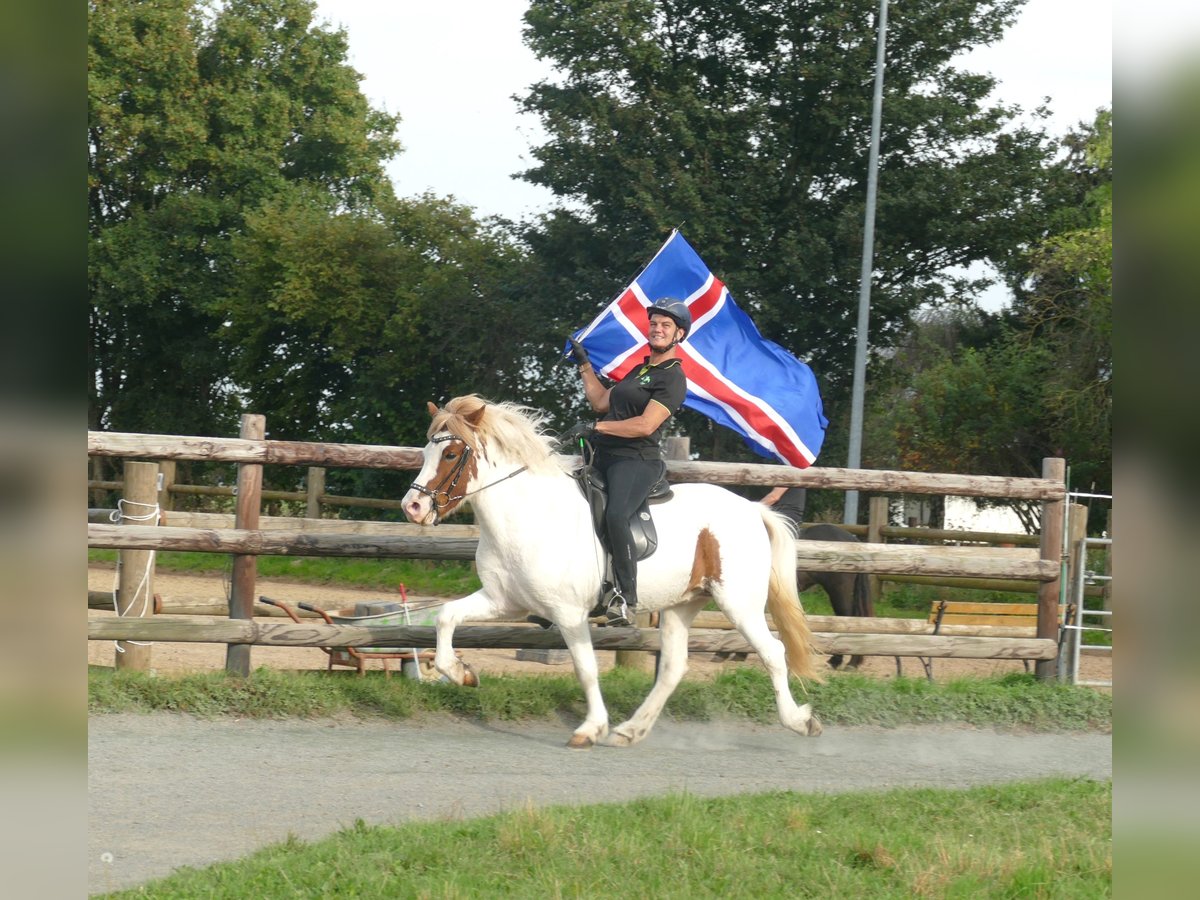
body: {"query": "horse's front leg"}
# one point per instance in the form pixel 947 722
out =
pixel 478 606
pixel 578 638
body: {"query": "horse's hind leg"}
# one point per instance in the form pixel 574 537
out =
pixel 673 627
pixel 752 624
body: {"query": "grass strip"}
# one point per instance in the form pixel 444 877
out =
pixel 1048 838
pixel 1017 700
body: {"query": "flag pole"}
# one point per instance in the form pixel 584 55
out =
pixel 854 456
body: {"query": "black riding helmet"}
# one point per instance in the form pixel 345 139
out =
pixel 674 309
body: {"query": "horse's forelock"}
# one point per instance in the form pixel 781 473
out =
pixel 452 418
pixel 514 430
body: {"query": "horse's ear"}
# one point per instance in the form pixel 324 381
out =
pixel 432 407
pixel 474 418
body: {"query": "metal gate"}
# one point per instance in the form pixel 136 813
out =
pixel 1084 620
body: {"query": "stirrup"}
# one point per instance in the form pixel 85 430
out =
pixel 618 612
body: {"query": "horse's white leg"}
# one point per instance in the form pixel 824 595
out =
pixel 478 606
pixel 752 623
pixel 672 666
pixel 578 638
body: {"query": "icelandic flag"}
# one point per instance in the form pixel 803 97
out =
pixel 735 376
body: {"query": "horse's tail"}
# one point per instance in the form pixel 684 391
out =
pixel 863 606
pixel 783 602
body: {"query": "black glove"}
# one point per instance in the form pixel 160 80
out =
pixel 577 351
pixel 577 431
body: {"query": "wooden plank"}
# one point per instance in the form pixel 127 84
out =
pixel 875 480
pixel 966 607
pixel 284 543
pixel 979 562
pixel 296 453
pixel 216 606
pixel 289 634
pixel 303 453
pixel 312 526
pixel 925 535
pixel 876 625
pixel 1009 621
pixel 829 556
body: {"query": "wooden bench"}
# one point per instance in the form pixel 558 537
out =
pixel 995 619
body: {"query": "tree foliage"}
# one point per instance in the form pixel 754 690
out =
pixel 349 324
pixel 247 252
pixel 969 392
pixel 749 125
pixel 196 117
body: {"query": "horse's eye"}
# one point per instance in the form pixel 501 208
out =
pixel 449 454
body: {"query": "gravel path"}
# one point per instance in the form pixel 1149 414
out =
pixel 169 790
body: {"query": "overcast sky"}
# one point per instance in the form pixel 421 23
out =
pixel 450 68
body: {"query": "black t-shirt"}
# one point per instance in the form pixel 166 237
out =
pixel 664 383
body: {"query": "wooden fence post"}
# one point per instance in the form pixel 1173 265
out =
pixel 135 585
pixel 1053 469
pixel 167 468
pixel 877 519
pixel 245 567
pixel 99 495
pixel 1077 516
pixel 314 487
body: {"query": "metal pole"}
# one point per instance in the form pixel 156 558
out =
pixel 854 457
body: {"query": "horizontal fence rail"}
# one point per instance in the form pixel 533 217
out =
pixel 242 450
pixel 824 556
pixel 272 634
pixel 303 453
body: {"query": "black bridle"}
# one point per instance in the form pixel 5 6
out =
pixel 439 494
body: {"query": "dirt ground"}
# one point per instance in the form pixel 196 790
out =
pixel 184 657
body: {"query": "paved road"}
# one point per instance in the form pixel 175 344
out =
pixel 166 790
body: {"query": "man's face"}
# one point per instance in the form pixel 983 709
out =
pixel 663 332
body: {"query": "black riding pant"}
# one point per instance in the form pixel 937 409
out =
pixel 629 483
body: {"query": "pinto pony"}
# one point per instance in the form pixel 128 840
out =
pixel 538 554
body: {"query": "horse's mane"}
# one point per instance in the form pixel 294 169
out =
pixel 510 431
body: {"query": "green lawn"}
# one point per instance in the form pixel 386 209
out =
pixel 1048 838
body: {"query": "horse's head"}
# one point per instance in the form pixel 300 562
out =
pixel 451 461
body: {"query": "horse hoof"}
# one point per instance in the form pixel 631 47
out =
pixel 580 742
pixel 470 679
pixel 617 739
pixel 814 727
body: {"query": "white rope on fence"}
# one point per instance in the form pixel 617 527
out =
pixel 116 517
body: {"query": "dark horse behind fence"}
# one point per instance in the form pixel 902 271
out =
pixel 848 592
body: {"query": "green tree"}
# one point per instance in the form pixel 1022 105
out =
pixel 347 324
pixel 971 392
pixel 1064 309
pixel 197 117
pixel 749 125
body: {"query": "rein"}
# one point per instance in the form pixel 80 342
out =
pixel 438 492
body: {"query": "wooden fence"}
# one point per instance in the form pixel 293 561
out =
pixel 251 537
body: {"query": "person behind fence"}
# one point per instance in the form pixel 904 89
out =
pixel 789 501
pixel 627 441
